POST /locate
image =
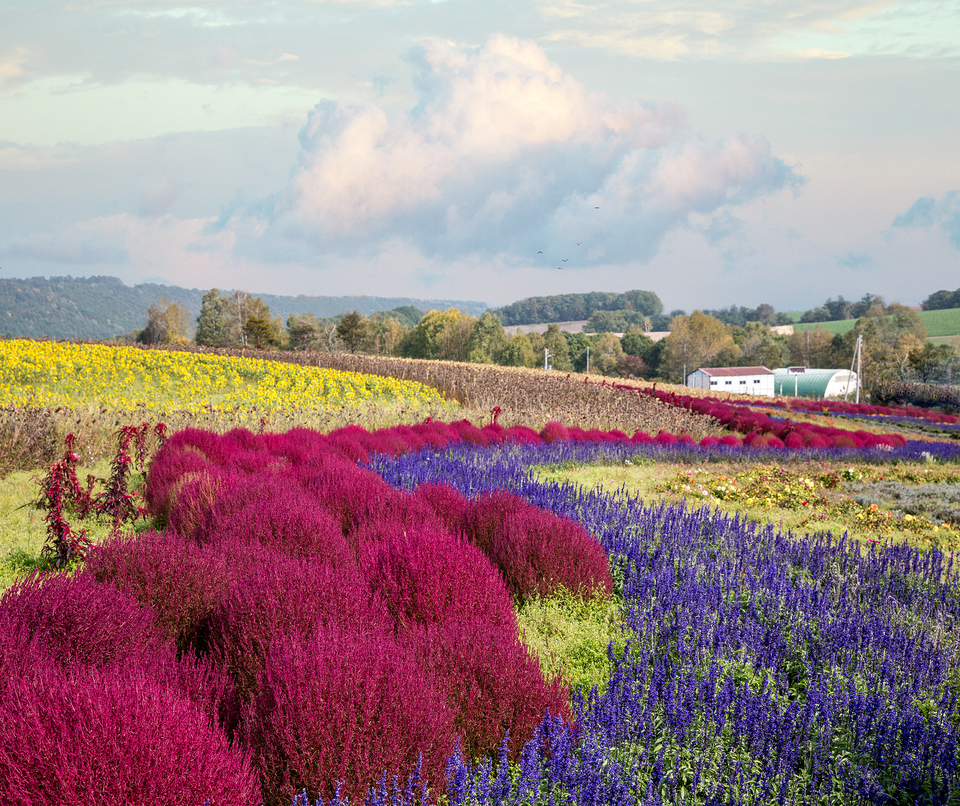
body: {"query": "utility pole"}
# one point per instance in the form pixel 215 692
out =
pixel 859 363
pixel 588 359
pixel 547 355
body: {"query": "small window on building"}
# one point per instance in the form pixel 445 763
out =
pixel 713 383
pixel 756 380
pixel 743 383
pixel 728 383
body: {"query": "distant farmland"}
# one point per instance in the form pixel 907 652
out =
pixel 938 323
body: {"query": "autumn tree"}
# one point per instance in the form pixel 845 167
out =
pixel 697 341
pixel 811 348
pixel 167 323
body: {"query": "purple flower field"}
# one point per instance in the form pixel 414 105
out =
pixel 761 668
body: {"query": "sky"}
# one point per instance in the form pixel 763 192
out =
pixel 758 151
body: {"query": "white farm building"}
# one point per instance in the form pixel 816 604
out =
pixel 733 380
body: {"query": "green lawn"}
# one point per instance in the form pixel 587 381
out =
pixel 22 530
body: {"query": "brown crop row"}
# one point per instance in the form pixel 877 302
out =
pixel 526 396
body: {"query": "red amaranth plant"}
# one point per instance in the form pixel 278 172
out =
pixel 60 492
pixel 117 501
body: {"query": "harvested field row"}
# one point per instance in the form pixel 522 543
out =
pixel 524 396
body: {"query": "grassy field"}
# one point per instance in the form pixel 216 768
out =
pixel 938 323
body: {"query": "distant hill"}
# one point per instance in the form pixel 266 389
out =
pixel 104 307
pixel 573 307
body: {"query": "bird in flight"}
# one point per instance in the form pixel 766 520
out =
pixel 540 252
pixel 596 208
pixel 578 242
pixel 564 260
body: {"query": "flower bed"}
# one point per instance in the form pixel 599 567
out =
pixel 299 601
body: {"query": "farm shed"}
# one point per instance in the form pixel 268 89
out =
pixel 815 383
pixel 733 380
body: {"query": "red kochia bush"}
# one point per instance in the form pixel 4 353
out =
pixel 428 576
pixel 279 596
pixel 167 473
pixel 273 510
pixel 81 622
pixel 554 432
pixel 537 552
pixel 490 681
pixel 113 738
pixel 344 708
pixel 449 505
pixel 191 500
pixel 178 579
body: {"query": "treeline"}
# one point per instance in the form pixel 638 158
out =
pixel 576 307
pixel 895 346
pixel 940 300
pixel 105 308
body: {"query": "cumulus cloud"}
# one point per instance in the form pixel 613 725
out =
pixel 505 154
pixel 928 212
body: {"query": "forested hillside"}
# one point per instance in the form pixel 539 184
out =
pixel 572 307
pixel 104 307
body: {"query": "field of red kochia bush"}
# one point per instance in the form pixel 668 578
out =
pixel 297 623
pixel 762 431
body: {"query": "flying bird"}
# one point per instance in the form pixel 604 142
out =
pixel 540 252
pixel 564 260
pixel 578 242
pixel 596 208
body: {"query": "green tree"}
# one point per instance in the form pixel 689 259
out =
pixel 304 331
pixel 258 333
pixel 811 348
pixel 517 352
pixel 697 341
pixel 211 321
pixel 423 340
pixel 605 354
pixel 352 330
pixel 760 346
pixel 556 343
pixel 487 338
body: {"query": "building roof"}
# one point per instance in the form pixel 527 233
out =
pixel 727 371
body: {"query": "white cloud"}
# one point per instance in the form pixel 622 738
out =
pixel 505 153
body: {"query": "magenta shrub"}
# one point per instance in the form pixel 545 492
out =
pixel 490 681
pixel 554 432
pixel 179 580
pixel 80 622
pixel 113 737
pixel 167 472
pixel 272 509
pixel 536 552
pixel 192 500
pixel 428 576
pixel 280 596
pixel 448 504
pixel 344 707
